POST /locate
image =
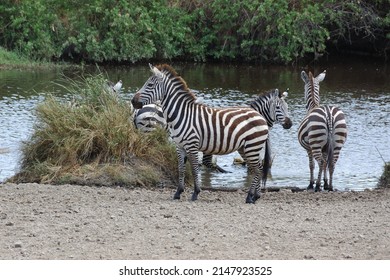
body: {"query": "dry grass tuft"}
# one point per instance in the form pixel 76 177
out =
pixel 92 140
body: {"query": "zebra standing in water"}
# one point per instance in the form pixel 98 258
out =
pixel 197 127
pixel 322 132
pixel 150 116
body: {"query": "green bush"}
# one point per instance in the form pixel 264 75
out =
pixel 279 31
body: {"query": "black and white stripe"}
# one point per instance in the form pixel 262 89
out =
pixel 273 107
pixel 196 127
pixel 322 132
pixel 149 117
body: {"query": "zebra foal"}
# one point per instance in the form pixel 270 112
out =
pixel 196 127
pixel 322 132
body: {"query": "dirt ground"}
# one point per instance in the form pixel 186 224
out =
pixel 81 222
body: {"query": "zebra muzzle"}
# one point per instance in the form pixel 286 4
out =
pixel 287 123
pixel 135 101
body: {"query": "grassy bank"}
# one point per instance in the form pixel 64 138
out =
pixel 90 139
pixel 9 60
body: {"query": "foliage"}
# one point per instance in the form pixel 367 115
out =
pixel 93 129
pixel 133 30
pixel 384 180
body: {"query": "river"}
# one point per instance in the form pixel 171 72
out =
pixel 359 86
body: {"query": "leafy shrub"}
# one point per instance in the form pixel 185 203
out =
pixel 133 30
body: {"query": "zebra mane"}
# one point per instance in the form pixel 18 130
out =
pixel 263 96
pixel 312 90
pixel 172 75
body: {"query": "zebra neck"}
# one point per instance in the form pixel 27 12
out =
pixel 176 108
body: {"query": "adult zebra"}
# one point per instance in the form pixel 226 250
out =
pixel 322 132
pixel 150 116
pixel 196 127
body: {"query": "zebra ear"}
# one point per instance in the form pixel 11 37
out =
pixel 304 77
pixel 284 94
pixel 157 72
pixel 321 76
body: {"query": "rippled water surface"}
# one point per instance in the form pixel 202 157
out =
pixel 360 88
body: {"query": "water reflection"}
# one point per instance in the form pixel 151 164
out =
pixel 361 89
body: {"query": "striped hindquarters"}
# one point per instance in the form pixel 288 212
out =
pixel 324 126
pixel 224 130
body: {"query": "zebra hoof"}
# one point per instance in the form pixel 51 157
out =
pixel 176 196
pixel 194 197
pixel 250 199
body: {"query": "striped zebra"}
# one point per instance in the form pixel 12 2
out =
pixel 273 107
pixel 322 132
pixel 150 116
pixel 196 127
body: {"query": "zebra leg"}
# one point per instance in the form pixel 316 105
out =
pixel 331 170
pixel 321 164
pixel 181 156
pixel 326 185
pixel 193 157
pixel 207 161
pixel 254 190
pixel 311 167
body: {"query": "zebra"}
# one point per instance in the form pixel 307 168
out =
pixel 150 116
pixel 322 132
pixel 196 127
pixel 273 107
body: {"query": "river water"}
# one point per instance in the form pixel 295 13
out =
pixel 360 87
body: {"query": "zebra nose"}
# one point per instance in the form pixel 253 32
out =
pixel 135 101
pixel 287 123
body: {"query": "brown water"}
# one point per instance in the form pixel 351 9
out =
pixel 360 87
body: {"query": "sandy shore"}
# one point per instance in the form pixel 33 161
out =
pixel 81 222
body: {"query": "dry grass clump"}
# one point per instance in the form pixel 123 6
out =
pixel 92 140
pixel 384 180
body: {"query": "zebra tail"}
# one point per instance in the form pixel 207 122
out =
pixel 267 160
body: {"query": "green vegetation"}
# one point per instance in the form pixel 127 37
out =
pixel 280 31
pixel 92 140
pixel 384 180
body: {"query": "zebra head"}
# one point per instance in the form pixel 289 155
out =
pixel 312 89
pixel 273 107
pixel 151 90
pixel 281 109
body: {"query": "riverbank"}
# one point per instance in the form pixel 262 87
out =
pixel 78 222
pixel 12 60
